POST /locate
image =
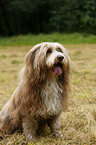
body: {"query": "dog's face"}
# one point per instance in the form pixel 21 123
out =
pixel 52 56
pixel 56 59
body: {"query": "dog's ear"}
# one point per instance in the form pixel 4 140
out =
pixel 40 58
pixel 29 61
pixel 68 64
pixel 35 63
pixel 68 60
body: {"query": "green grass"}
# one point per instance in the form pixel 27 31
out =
pixel 78 124
pixel 74 38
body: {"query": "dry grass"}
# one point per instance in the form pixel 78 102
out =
pixel 78 124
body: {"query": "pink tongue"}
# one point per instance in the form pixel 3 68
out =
pixel 57 70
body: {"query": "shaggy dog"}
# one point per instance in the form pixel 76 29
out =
pixel 42 93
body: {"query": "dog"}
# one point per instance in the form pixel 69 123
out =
pixel 42 93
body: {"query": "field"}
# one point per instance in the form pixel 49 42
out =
pixel 74 38
pixel 78 124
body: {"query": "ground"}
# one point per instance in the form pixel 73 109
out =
pixel 78 124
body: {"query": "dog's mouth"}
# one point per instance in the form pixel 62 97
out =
pixel 57 69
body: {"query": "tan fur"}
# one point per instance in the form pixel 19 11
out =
pixel 41 95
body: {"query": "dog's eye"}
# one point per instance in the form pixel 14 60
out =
pixel 59 50
pixel 48 52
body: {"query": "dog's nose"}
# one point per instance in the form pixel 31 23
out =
pixel 60 58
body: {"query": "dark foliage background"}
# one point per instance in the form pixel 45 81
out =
pixel 46 16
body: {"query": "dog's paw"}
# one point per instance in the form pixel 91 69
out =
pixel 58 133
pixel 29 137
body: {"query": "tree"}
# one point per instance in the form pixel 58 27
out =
pixel 35 16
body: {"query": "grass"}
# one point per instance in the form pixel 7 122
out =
pixel 30 39
pixel 78 124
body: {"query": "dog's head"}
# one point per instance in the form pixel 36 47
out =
pixel 57 59
pixel 47 57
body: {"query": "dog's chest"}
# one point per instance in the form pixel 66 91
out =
pixel 51 95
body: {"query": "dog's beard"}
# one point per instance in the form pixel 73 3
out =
pixel 51 95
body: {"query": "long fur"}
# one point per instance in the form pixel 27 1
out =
pixel 41 95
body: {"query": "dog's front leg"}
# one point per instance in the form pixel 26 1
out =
pixel 55 125
pixel 29 127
